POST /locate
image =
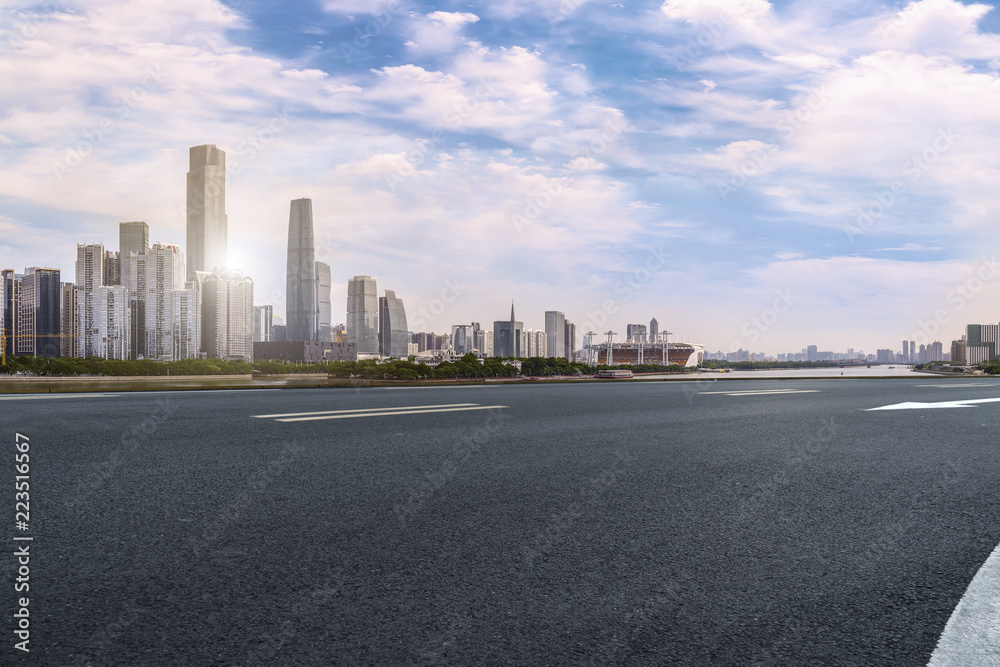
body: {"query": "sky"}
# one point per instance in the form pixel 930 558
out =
pixel 753 174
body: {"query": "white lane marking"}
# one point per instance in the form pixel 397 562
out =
pixel 969 403
pixel 344 412
pixel 27 397
pixel 387 414
pixel 767 392
pixel 954 386
pixel 972 634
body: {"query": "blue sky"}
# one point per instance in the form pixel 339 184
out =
pixel 752 174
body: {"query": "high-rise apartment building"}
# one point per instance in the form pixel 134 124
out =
pixel 112 268
pixel 207 223
pixel 636 333
pixel 555 333
pixel 301 301
pixel 362 314
pixel 393 338
pixel 324 305
pixel 89 278
pixel 112 319
pixel 67 315
pixel 133 246
pixel 227 314
pixel 186 322
pixel 164 274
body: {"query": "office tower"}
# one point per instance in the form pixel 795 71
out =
pixel 67 326
pixel 507 336
pixel 112 268
pixel 207 223
pixel 324 306
pixel 812 353
pixel 186 322
pixel 164 274
pixel 37 320
pixel 981 343
pixel 301 302
pixel 89 278
pixel 112 320
pixel 263 321
pixel 906 351
pixel 570 341
pixel 226 314
pixel 459 338
pixel 555 333
pixel 393 338
pixel 362 314
pixel 654 331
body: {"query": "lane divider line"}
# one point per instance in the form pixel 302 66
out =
pixel 360 410
pixel 391 413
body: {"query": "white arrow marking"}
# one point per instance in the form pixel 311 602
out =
pixel 931 406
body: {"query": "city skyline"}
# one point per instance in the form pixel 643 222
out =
pixel 836 161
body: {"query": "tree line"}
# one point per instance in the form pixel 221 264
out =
pixel 469 366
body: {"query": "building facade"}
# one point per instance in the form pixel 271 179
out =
pixel 324 306
pixel 555 333
pixel 507 336
pixel 393 337
pixel 362 314
pixel 207 223
pixel 226 314
pixel 301 300
pixel 263 323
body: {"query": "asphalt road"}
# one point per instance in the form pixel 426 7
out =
pixel 623 523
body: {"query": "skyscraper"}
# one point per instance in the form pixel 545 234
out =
pixel 570 341
pixel 164 274
pixel 112 319
pixel 263 321
pixel 301 303
pixel 133 245
pixel 393 338
pixel 555 333
pixel 67 327
pixel 654 331
pixel 227 314
pixel 362 314
pixel 89 277
pixel 507 335
pixel 207 223
pixel 324 307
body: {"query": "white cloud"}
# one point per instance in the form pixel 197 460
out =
pixel 438 31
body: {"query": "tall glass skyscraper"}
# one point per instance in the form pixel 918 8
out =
pixel 301 302
pixel 393 338
pixel 362 314
pixel 207 223
pixel 555 333
pixel 324 306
